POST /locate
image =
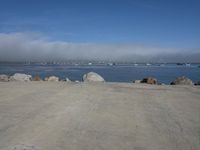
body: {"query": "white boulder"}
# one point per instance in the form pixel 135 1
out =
pixel 92 77
pixel 20 77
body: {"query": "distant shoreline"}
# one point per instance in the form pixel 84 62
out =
pixel 89 62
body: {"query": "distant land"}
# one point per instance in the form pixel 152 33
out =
pixel 90 62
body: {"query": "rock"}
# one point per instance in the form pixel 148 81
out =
pixel 149 80
pixel 67 80
pixel 182 81
pixel 20 77
pixel 37 78
pixel 4 78
pixel 137 81
pixel 198 83
pixel 51 78
pixel 76 81
pixel 92 77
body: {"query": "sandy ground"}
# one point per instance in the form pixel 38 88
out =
pixel 98 116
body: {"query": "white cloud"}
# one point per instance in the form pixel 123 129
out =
pixel 36 47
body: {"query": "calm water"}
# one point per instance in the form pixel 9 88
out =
pixel 119 73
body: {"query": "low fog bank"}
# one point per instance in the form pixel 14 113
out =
pixel 34 47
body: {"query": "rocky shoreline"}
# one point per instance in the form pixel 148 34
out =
pixel 91 77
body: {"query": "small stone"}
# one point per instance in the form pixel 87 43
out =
pixel 137 81
pixel 67 80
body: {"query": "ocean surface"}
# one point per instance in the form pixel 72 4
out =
pixel 116 73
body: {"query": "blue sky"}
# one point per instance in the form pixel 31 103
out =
pixel 171 23
pixel 154 23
